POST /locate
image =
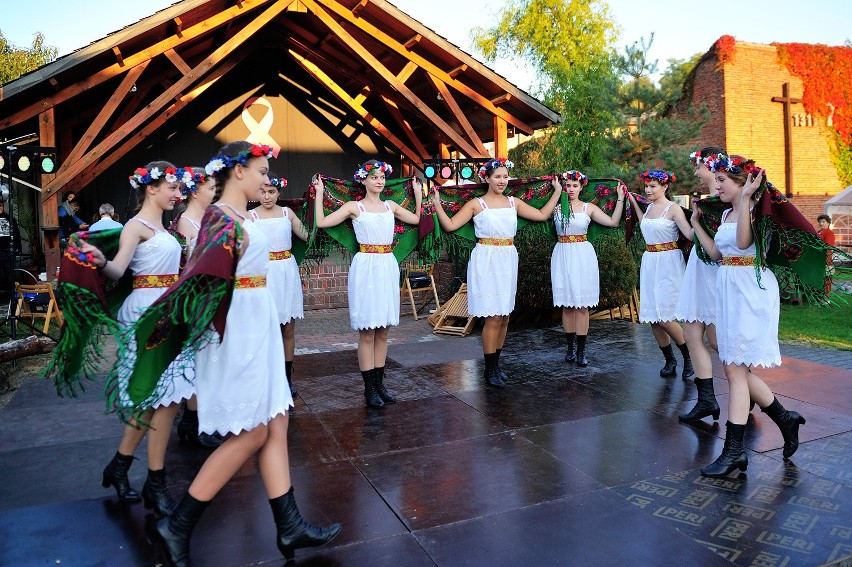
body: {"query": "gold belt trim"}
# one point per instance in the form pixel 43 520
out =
pixel 279 255
pixel 738 261
pixel 247 282
pixel 376 248
pixel 661 247
pixel 149 281
pixel 497 241
pixel 571 238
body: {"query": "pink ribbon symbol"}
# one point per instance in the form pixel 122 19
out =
pixel 259 131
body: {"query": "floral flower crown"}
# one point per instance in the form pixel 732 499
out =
pixel 664 177
pixel 363 171
pixel 494 164
pixel 735 165
pixel 190 180
pixel 278 182
pixel 142 176
pixel 697 159
pixel 574 175
pixel 222 161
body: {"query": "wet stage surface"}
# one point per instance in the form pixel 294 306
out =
pixel 565 466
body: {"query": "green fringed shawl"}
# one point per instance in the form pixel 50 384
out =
pixel 785 241
pixel 299 206
pixel 89 309
pixel 406 239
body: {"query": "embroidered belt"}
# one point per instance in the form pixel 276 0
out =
pixel 143 282
pixel 572 238
pixel 376 248
pixel 279 255
pixel 497 241
pixel 661 247
pixel 247 282
pixel 738 260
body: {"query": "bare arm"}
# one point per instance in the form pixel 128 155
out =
pixel 636 209
pixel 745 234
pixel 298 227
pixel 707 243
pixel 531 213
pixel 349 210
pixel 404 214
pixel 131 236
pixel 460 219
pixel 604 219
pixel 186 228
pixel 680 219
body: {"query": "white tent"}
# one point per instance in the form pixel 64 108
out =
pixel 840 204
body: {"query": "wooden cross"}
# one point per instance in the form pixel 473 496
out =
pixel 788 135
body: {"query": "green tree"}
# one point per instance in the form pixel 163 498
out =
pixel 16 61
pixel 674 78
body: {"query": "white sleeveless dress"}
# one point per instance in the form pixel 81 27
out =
pixel 697 299
pixel 240 381
pixel 746 312
pixel 574 265
pixel 661 273
pixel 282 279
pixel 492 272
pixel 373 277
pixel 157 256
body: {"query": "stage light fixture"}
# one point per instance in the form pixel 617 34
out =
pixel 447 171
pixel 466 171
pixel 47 164
pixel 430 171
pixel 2 162
pixel 24 163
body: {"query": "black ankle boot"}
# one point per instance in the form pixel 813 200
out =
pixel 733 454
pixel 500 373
pixel 173 532
pixel 288 368
pixel 687 362
pixel 156 493
pixel 569 345
pixel 582 362
pixel 491 376
pixel 187 429
pixel 670 369
pixel 788 422
pixel 386 396
pixel 706 403
pixel 293 532
pixel 115 474
pixel 371 394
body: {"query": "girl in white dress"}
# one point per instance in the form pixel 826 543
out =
pixel 239 386
pixel 574 265
pixel 280 224
pixel 492 272
pixel 746 315
pixel 373 281
pixel 662 267
pixel 153 256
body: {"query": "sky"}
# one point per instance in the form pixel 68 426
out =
pixel 681 28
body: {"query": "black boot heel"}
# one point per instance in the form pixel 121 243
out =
pixel 733 455
pixel 293 532
pixel 115 474
pixel 706 403
pixel 155 493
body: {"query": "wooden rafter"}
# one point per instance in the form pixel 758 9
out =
pixel 390 42
pixel 73 169
pixel 177 61
pixel 222 18
pixel 362 96
pixel 456 110
pixel 406 127
pixel 344 97
pixel 358 49
pixel 406 72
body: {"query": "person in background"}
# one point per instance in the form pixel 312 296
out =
pixel 69 222
pixel 107 220
pixel 825 232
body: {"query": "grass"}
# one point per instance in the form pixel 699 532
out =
pixel 818 326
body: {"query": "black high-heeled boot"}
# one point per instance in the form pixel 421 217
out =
pixel 187 429
pixel 115 474
pixel 491 376
pixel 582 362
pixel 156 493
pixel 733 454
pixel 670 368
pixel 569 345
pixel 173 532
pixel 288 368
pixel 293 532
pixel 788 422
pixel 500 373
pixel 386 396
pixel 706 403
pixel 687 362
pixel 371 394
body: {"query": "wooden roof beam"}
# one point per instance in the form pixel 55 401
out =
pixel 177 61
pixel 178 26
pixel 359 6
pixel 406 127
pixel 456 110
pixel 413 41
pixel 69 170
pixel 458 70
pixel 118 56
pixel 390 42
pixel 362 96
pixel 222 18
pixel 505 97
pixel 388 76
pixel 341 94
pixel 406 72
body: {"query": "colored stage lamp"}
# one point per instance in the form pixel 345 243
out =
pixel 47 164
pixel 2 162
pixel 24 163
pixel 466 171
pixel 430 171
pixel 447 171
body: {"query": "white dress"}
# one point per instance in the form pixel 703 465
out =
pixel 697 300
pixel 241 381
pixel 746 315
pixel 373 277
pixel 574 265
pixel 492 272
pixel 660 273
pixel 282 279
pixel 157 256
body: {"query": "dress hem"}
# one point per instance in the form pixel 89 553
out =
pixel 246 429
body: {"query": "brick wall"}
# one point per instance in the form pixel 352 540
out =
pixel 708 88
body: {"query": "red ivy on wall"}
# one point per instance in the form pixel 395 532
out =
pixel 826 72
pixel 726 48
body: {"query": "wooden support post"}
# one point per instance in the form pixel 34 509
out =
pixel 501 143
pixel 49 210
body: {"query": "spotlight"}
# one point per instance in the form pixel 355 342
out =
pixel 24 163
pixel 2 162
pixel 430 171
pixel 29 158
pixel 447 171
pixel 467 171
pixel 47 164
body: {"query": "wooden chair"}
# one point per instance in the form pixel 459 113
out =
pixel 418 278
pixel 37 301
